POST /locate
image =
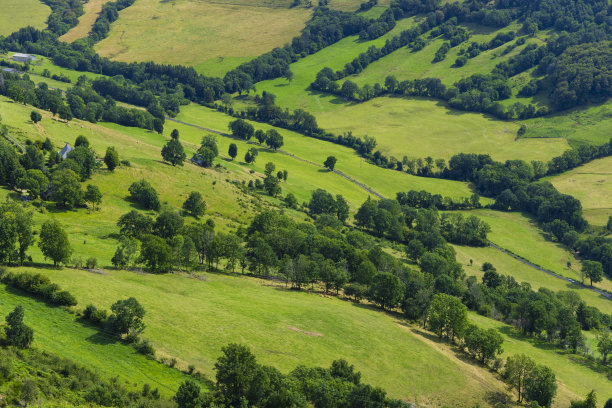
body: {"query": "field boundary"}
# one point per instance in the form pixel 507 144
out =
pixel 539 268
pixel 352 180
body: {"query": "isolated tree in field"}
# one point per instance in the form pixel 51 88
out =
pixel 17 333
pixel 541 385
pixel 195 204
pixel 251 155
pixel 233 150
pixel 35 116
pixel 592 270
pixel 604 344
pixel 173 152
pixel 81 141
pixel 127 317
pixel 241 129
pixel 144 194
pixel 188 395
pixel 330 163
pixel 93 195
pixel 111 158
pixel 235 372
pixel 516 371
pixel 54 242
pixel 274 140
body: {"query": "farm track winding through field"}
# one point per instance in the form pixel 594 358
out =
pixel 352 180
pixel 526 262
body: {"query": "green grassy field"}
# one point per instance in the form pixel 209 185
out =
pixel 591 185
pixel 57 331
pixel 20 13
pixel 576 376
pixel 92 9
pixel 214 36
pixel 507 265
pixel 521 236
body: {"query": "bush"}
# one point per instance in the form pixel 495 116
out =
pixel 63 298
pixel 144 347
pixel 91 263
pixel 39 286
pixel 126 163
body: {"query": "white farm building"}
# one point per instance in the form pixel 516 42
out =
pixel 23 57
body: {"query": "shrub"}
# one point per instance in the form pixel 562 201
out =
pixel 144 347
pixel 91 263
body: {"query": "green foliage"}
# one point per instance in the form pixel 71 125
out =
pixel 65 188
pixel 93 195
pixel 195 204
pixel 35 116
pixel 54 242
pixel 446 316
pixel 173 152
pixel 330 163
pixel 386 290
pixel 17 333
pixel 126 318
pixel 111 158
pixel 232 151
pixel 144 194
pixel 15 232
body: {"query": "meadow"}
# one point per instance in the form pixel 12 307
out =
pixel 20 13
pixel 591 184
pixel 520 235
pixel 92 9
pixel 213 36
pixel 59 331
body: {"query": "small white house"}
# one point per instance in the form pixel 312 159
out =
pixel 64 152
pixel 23 57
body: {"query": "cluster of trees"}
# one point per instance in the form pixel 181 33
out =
pixel 404 224
pixel 64 15
pixel 125 319
pixel 241 381
pixel 424 199
pixel 39 286
pixel 245 131
pixel 110 13
pixel 532 381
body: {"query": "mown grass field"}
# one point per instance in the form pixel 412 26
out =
pixel 591 184
pixel 507 265
pixel 16 14
pixel 521 236
pixel 86 21
pixel 214 36
pixel 576 376
pixel 58 331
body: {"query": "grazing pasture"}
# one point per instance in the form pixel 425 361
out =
pixel 92 9
pixel 16 14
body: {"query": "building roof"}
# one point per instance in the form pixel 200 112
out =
pixel 64 152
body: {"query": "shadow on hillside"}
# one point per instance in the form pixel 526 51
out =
pixel 101 338
pixel 498 399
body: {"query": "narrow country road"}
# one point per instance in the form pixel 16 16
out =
pixel 601 292
pixel 352 180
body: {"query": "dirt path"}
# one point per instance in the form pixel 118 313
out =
pixel 338 172
pixel 526 262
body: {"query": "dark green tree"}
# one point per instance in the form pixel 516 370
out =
pixel 93 195
pixel 35 116
pixel 188 395
pixel 274 140
pixel 81 141
pixel 126 317
pixel 173 152
pixel 330 163
pixel 111 158
pixel 195 204
pixel 144 194
pixel 386 290
pixel 54 242
pixel 156 254
pixel 233 150
pixel 235 372
pixel 17 333
pixel 168 224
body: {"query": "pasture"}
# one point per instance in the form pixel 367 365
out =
pixel 20 13
pixel 214 36
pixel 92 9
pixel 591 184
pixel 60 332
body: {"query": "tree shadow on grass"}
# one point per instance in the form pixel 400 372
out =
pixel 101 339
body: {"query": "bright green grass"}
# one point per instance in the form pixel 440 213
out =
pixel 191 319
pixel 521 235
pixel 576 376
pixel 591 184
pixel 507 265
pixel 420 127
pixel 583 125
pixel 383 181
pixel 16 14
pixel 197 33
pixel 57 331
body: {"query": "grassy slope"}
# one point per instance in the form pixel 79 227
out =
pixel 215 36
pixel 507 265
pixel 383 181
pixel 191 320
pixel 20 13
pixel 591 185
pixel 415 127
pixel 86 21
pixel 57 331
pixel 576 376
pixel 521 236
